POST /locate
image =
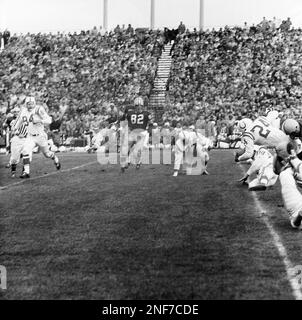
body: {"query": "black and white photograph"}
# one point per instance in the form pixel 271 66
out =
pixel 150 150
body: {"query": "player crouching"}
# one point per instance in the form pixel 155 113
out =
pixel 190 152
pixel 263 166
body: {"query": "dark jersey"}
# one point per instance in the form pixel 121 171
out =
pixel 8 122
pixel 55 125
pixel 137 120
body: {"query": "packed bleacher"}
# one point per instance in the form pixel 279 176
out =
pixel 217 76
pixel 222 75
pixel 93 73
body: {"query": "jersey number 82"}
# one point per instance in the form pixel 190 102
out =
pixel 137 118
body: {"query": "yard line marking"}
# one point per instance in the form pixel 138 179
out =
pixel 294 282
pixel 47 175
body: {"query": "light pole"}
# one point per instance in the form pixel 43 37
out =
pixel 152 14
pixel 201 14
pixel 105 15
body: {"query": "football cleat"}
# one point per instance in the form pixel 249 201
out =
pixel 296 221
pixel 205 173
pixel 175 174
pixel 7 166
pixel 137 167
pixel 123 169
pixel 24 175
pixel 13 175
pixel 58 165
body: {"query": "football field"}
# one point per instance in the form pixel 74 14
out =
pixel 89 232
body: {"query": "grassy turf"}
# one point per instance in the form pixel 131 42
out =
pixel 94 234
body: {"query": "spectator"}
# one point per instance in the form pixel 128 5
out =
pixel 181 28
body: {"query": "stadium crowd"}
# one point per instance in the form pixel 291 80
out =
pixel 222 75
pixel 88 71
pixel 217 76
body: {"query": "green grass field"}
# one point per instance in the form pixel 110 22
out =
pixel 89 232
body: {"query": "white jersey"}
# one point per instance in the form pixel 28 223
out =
pixel 262 158
pixel 105 135
pixel 175 133
pixel 38 119
pixel 99 138
pixel 260 132
pixel 21 123
pixel 273 118
pixel 204 142
pixel 186 138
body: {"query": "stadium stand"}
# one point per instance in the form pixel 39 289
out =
pixel 216 77
pixel 220 76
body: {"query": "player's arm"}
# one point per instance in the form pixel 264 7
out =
pixel 255 166
pixel 151 118
pixel 5 124
pixel 44 117
pixel 15 124
pixel 248 149
pixel 63 110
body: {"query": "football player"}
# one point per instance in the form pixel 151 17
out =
pixel 261 133
pixel 291 173
pixel 263 165
pixel 191 152
pixel 106 136
pixel 36 136
pixel 273 117
pixel 19 131
pixel 134 135
pixel 204 145
pixel 183 141
pixel 290 177
pixel 11 117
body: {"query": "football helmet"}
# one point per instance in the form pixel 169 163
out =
pixel 139 101
pixel 291 127
pixel 30 103
pixel 243 124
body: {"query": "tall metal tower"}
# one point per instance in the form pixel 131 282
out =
pixel 201 14
pixel 105 15
pixel 152 15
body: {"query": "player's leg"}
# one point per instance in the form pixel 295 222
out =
pixel 204 155
pixel 190 158
pixel 125 143
pixel 260 182
pixel 29 145
pixel 265 178
pixel 178 160
pixel 16 148
pixel 44 147
pixel 140 145
pixel 133 147
pixel 271 176
pixel 292 198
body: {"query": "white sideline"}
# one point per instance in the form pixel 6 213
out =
pixel 47 175
pixel 296 288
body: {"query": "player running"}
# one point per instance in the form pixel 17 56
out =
pixel 36 136
pixel 19 132
pixel 134 134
